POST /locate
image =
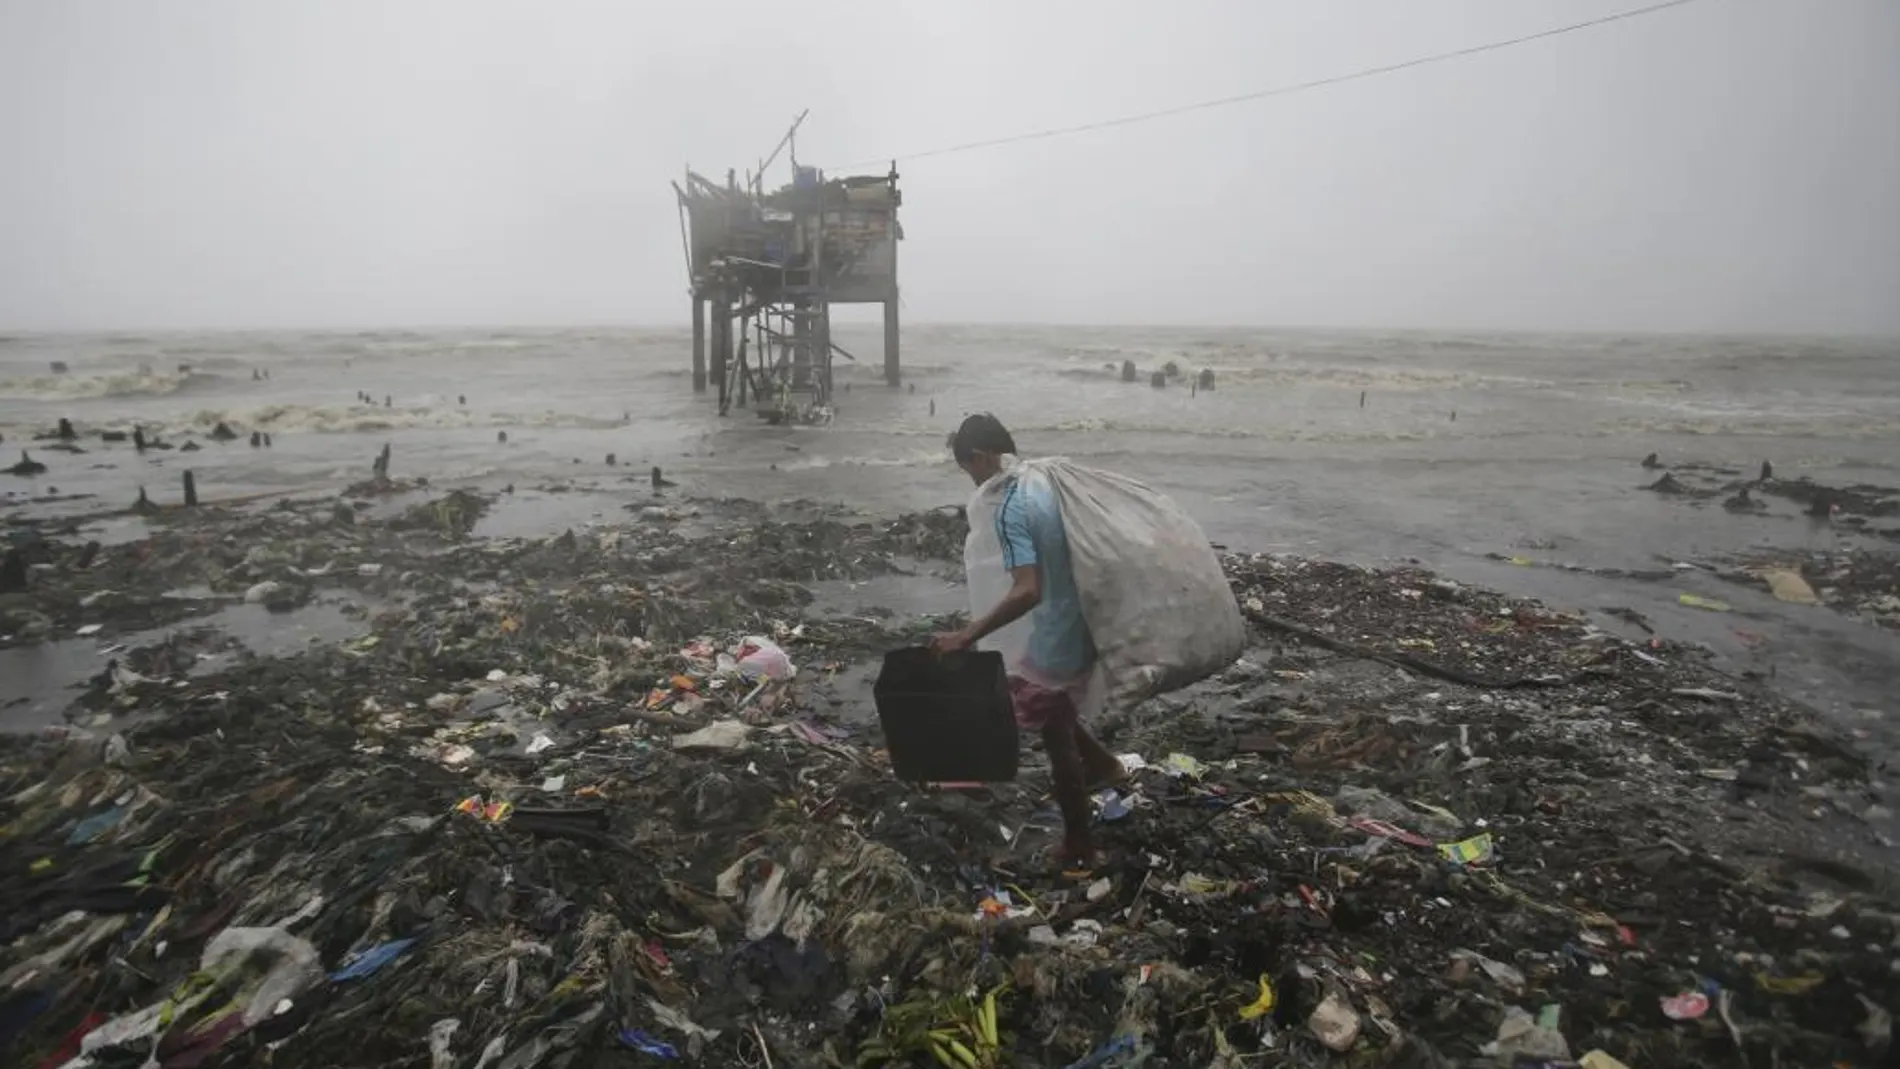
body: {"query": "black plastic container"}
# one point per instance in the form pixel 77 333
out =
pixel 947 719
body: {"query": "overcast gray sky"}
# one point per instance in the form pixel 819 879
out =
pixel 1733 164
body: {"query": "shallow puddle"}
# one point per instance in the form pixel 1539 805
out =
pixel 884 596
pixel 36 682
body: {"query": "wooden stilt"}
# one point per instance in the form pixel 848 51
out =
pixel 721 345
pixel 745 373
pixel 801 347
pixel 191 491
pixel 821 342
pixel 893 374
pixel 699 345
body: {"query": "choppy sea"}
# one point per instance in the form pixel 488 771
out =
pixel 1446 448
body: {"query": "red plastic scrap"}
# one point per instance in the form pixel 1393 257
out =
pixel 1685 1007
pixel 1318 901
pixel 69 1047
pixel 1383 830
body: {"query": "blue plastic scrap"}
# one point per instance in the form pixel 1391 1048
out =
pixel 94 826
pixel 639 1040
pixel 372 960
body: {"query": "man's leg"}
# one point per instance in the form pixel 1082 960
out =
pixel 1059 737
pixel 1100 768
pixel 1053 714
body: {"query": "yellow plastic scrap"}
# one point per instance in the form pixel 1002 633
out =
pixel 1180 764
pixel 1473 851
pixel 188 994
pixel 146 861
pixel 1194 883
pixel 1261 1006
pixel 158 921
pixel 1597 1059
pixel 492 812
pixel 1787 585
pixel 1697 601
pixel 1789 985
pixel 1303 802
pixel 1497 886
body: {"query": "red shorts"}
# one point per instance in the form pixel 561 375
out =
pixel 1038 706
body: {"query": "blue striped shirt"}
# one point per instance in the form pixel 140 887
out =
pixel 1029 526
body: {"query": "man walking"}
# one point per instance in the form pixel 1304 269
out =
pixel 1048 681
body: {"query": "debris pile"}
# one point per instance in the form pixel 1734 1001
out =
pixel 1864 583
pixel 608 798
pixel 1861 507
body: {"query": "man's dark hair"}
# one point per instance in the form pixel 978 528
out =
pixel 981 433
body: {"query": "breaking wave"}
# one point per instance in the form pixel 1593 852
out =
pixel 920 458
pixel 1856 429
pixel 1340 377
pixel 355 419
pixel 140 383
pixel 1470 429
pixel 1263 433
pixel 1382 433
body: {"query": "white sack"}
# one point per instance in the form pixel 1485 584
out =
pixel 1153 594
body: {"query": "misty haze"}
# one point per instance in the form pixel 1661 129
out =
pixel 497 500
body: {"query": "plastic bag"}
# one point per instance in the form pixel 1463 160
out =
pixel 763 657
pixel 276 966
pixel 1157 604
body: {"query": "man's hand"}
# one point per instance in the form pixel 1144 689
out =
pixel 1025 593
pixel 944 643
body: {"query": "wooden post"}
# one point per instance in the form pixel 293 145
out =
pixel 821 340
pixel 721 344
pixel 801 346
pixel 12 573
pixel 745 339
pixel 699 344
pixel 892 374
pixel 191 491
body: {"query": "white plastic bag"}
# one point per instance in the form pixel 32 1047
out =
pixel 1156 602
pixel 761 657
pixel 277 966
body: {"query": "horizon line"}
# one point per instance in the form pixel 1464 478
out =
pixel 9 333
